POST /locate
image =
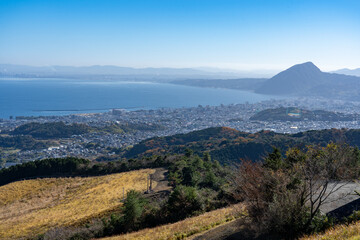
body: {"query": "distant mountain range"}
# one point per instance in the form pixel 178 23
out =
pixel 353 72
pixel 299 80
pixel 113 72
pixel 89 70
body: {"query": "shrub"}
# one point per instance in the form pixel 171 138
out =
pixel 284 196
pixel 131 217
pixel 183 202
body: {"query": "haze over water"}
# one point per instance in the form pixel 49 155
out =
pixel 44 97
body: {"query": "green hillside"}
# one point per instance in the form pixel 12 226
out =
pixel 295 114
pixel 228 145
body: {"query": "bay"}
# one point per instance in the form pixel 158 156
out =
pixel 46 97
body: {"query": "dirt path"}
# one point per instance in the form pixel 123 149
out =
pixel 230 231
pixel 162 189
pixel 160 176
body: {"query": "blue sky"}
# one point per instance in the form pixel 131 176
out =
pixel 243 35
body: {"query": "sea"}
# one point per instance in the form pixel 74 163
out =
pixel 51 96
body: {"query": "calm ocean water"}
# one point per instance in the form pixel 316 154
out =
pixel 44 97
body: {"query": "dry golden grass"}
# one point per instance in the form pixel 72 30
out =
pixel 31 207
pixel 186 228
pixel 341 232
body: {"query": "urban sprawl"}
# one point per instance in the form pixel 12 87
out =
pixel 173 121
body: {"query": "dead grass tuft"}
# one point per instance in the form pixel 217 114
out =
pixel 341 232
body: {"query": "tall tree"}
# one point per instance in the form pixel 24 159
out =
pixel 274 159
pixel 133 210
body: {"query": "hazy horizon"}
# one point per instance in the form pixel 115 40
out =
pixel 207 69
pixel 233 35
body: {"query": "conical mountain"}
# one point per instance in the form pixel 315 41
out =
pixel 296 79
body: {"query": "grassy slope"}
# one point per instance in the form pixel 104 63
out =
pixel 186 228
pixel 341 232
pixel 31 207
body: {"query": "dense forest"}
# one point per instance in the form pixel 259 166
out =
pixel 230 146
pixel 67 167
pixel 43 168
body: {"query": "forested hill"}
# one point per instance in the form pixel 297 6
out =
pixel 55 130
pixel 51 130
pixel 295 114
pixel 228 145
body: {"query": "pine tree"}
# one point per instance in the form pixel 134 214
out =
pixel 274 160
